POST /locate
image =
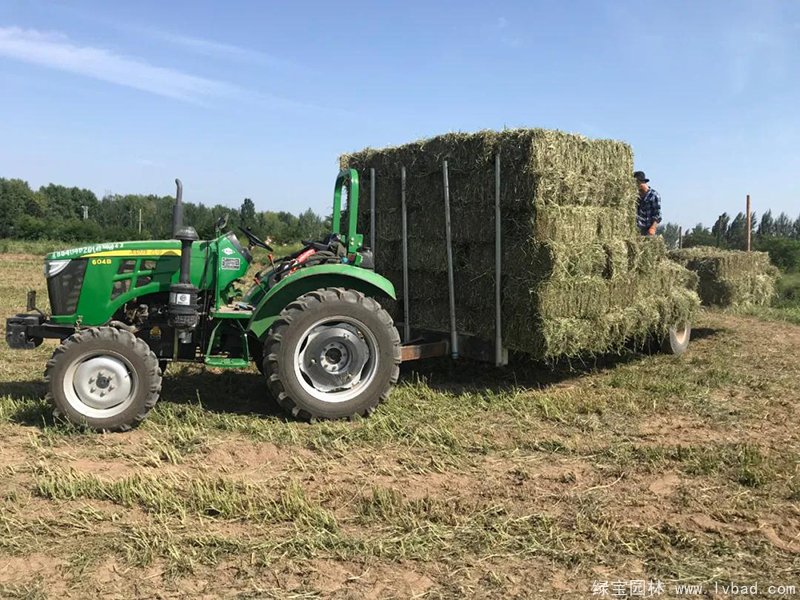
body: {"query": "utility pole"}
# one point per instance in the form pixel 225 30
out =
pixel 140 221
pixel 749 222
pixel 680 237
pixel 85 211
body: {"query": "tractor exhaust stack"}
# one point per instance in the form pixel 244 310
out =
pixel 183 312
pixel 177 210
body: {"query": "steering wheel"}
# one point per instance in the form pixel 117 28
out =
pixel 253 239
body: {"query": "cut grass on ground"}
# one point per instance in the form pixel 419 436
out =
pixel 521 482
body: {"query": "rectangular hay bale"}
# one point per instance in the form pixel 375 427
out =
pixel 730 277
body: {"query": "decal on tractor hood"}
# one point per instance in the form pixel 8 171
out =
pixel 112 249
pixel 73 252
pixel 138 252
pixel 230 264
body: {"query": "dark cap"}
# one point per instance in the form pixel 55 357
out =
pixel 640 177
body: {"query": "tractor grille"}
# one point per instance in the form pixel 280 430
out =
pixel 64 289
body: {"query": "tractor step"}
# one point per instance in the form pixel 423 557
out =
pixel 231 312
pixel 226 363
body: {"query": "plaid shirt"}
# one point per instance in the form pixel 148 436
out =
pixel 648 209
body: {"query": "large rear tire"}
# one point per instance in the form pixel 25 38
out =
pixel 677 340
pixel 333 353
pixel 103 378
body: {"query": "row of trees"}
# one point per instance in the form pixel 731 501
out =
pixel 731 233
pixel 780 236
pixel 77 215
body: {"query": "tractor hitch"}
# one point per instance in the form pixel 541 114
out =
pixel 20 330
pixel 27 331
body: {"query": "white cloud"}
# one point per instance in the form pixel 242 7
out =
pixel 503 34
pixel 213 48
pixel 56 51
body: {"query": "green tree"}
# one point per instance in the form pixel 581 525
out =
pixel 67 203
pixel 274 227
pixel 720 229
pixel 290 227
pixel 783 252
pixel 736 235
pixel 671 233
pixel 766 227
pixel 784 227
pixel 699 236
pixel 54 211
pixel 247 213
pixel 37 206
pixel 29 227
pixel 310 225
pixel 15 196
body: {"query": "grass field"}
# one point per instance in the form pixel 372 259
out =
pixel 468 482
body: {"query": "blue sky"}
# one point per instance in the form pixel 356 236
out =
pixel 249 98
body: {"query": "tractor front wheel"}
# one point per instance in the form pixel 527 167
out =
pixel 333 353
pixel 104 378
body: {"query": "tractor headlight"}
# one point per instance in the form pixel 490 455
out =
pixel 54 267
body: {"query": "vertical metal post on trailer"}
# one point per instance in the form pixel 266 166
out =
pixel 404 219
pixel 372 213
pixel 450 280
pixel 498 332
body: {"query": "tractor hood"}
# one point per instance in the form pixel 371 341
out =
pixel 91 283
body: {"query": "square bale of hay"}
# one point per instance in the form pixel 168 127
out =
pixel 730 277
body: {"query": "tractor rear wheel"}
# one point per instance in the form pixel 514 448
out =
pixel 104 378
pixel 677 340
pixel 333 353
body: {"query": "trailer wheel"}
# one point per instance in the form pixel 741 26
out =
pixel 333 353
pixel 103 378
pixel 677 340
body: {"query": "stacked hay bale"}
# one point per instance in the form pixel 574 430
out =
pixel 576 276
pixel 730 277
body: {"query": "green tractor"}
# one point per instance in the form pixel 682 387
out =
pixel 311 321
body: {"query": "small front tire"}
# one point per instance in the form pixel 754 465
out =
pixel 103 378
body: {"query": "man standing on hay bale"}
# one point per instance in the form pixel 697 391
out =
pixel 648 208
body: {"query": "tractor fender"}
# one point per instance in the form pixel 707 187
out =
pixel 309 279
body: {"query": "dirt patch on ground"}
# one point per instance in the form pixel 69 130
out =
pixel 664 485
pixel 679 429
pixel 16 568
pixel 243 457
pixel 348 579
pixel 13 453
